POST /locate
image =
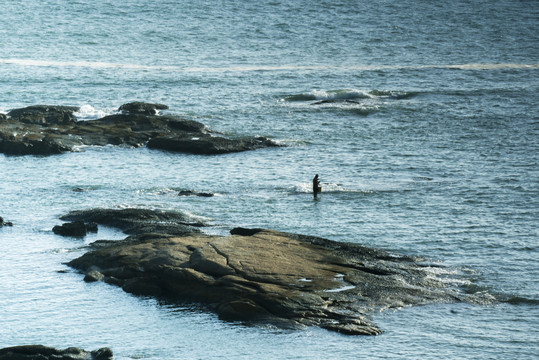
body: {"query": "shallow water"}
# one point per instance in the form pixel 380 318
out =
pixel 431 149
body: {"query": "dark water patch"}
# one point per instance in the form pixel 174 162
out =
pixel 519 300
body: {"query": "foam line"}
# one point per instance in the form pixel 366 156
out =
pixel 85 64
pixel 170 68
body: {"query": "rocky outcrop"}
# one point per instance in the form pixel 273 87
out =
pixel 34 352
pixel 258 275
pixel 5 223
pixel 137 221
pixel 46 130
pixel 44 115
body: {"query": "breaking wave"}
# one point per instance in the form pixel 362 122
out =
pixel 88 112
pixel 347 95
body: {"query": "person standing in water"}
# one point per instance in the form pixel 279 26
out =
pixel 316 185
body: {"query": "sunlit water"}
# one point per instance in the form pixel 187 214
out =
pixel 433 153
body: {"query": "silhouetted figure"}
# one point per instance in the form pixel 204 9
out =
pixel 316 185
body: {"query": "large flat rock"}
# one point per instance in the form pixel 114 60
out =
pixel 266 276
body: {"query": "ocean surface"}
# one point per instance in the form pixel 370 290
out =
pixel 421 118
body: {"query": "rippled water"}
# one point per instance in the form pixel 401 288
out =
pixel 420 117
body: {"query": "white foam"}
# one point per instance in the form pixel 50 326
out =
pixel 86 64
pixel 342 288
pixel 344 94
pixel 88 112
pixel 175 68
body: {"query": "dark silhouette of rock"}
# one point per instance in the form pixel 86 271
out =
pixel 206 144
pixel 45 115
pixel 47 130
pixel 5 223
pixel 266 276
pixel 336 101
pixel 40 352
pixel 195 193
pixel 142 108
pixel 244 232
pixel 75 228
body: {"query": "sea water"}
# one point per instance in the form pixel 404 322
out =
pixel 420 117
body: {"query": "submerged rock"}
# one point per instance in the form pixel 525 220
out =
pixel 46 130
pixel 33 352
pixel 195 193
pixel 258 275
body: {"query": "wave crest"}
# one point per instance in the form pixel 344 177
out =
pixel 347 94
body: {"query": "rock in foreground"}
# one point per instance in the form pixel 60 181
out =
pixel 267 276
pixel 34 352
pixel 46 130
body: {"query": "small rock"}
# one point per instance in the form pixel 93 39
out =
pixel 5 223
pixel 91 227
pixel 142 108
pixel 93 276
pixel 195 193
pixel 102 354
pixel 76 228
pixel 244 232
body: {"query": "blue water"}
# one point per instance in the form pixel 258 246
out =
pixel 435 153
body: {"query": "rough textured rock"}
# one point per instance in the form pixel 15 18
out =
pixel 44 115
pixel 93 276
pixel 46 130
pixel 272 277
pixel 40 352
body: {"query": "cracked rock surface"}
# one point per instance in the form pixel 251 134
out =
pixel 265 276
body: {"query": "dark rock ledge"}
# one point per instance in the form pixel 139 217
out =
pixel 263 276
pixel 46 130
pixel 40 352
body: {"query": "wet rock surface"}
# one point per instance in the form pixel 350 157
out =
pixel 47 130
pixel 265 276
pixel 40 352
